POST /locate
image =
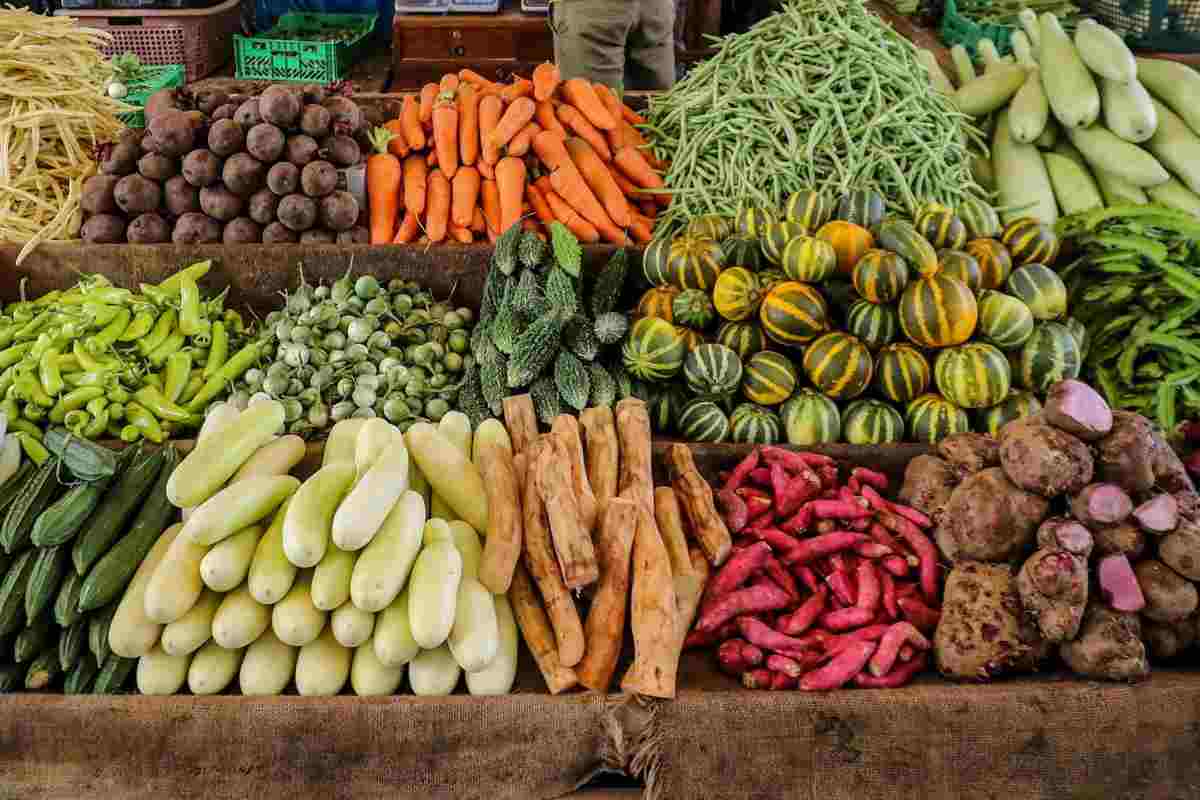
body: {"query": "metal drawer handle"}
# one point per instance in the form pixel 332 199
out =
pixel 458 51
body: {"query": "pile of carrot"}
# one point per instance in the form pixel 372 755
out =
pixel 828 584
pixel 469 158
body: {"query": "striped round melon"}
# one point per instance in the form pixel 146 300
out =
pixel 880 276
pixel 1004 320
pixel 794 313
pixel 1030 241
pixel 658 302
pixel 664 406
pixel 694 263
pixel 769 378
pixel 973 375
pixel 849 242
pixel 1015 406
pixel 811 418
pixel 693 308
pixel 742 251
pixel 901 372
pixel 655 262
pixel 712 369
pixel 931 418
pixel 691 338
pixel 654 350
pixel 703 421
pixel 839 365
pixel 841 297
pixel 1080 333
pixel 864 207
pixel 743 338
pixel 710 226
pixel 938 311
pixel 738 294
pixel 776 237
pixel 929 206
pixel 810 209
pixel 753 221
pixel 995 262
pixel 809 260
pixel 942 229
pixel 902 238
pixel 754 424
pixel 876 325
pixel 1040 288
pixel 1050 355
pixel 870 421
pixel 980 219
pixel 963 266
pixel 770 278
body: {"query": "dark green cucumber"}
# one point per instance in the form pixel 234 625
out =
pixel 71 644
pixel 98 625
pixel 33 498
pixel 139 469
pixel 48 570
pixel 43 669
pixel 109 577
pixel 33 640
pixel 113 674
pixel 62 520
pixel 86 460
pixel 12 486
pixel 12 592
pixel 79 679
pixel 66 604
pixel 11 676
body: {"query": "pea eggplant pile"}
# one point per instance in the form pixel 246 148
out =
pixel 360 349
pixel 108 362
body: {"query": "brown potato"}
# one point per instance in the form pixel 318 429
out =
pixel 175 133
pixel 97 195
pixel 297 212
pixel 247 114
pixel 278 233
pixel 316 121
pixel 339 211
pixel 243 174
pixel 262 206
pixel 195 228
pixel 148 229
pixel 280 106
pixel 201 168
pixel 226 137
pixel 220 203
pixel 156 167
pixel 136 195
pixel 180 197
pixel 341 150
pixel 318 179
pixel 242 230
pixel 120 159
pixel 103 229
pixel 283 178
pixel 301 149
pixel 265 142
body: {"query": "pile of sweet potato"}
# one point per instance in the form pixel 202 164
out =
pixel 828 583
pixel 1075 530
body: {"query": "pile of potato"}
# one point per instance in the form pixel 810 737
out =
pixel 233 169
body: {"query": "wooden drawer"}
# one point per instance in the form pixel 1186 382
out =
pixel 412 74
pixel 473 38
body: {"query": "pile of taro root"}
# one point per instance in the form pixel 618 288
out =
pixel 828 583
pixel 1075 532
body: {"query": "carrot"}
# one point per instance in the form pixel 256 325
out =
pixel 580 93
pixel 431 160
pixel 429 93
pixel 600 181
pixel 546 117
pixel 516 116
pixel 474 78
pixel 408 229
pixel 437 214
pixel 546 78
pixel 415 178
pixel 478 223
pixel 570 185
pixel 490 109
pixel 642 229
pixel 449 83
pixel 521 143
pixel 460 234
pixel 398 144
pixel 489 199
pixel 575 121
pixel 410 121
pixel 383 186
pixel 539 205
pixel 583 230
pixel 510 180
pixel 631 162
pixel 631 116
pixel 627 187
pixel 649 208
pixel 520 87
pixel 468 124
pixel 486 170
pixel 551 150
pixel 609 100
pixel 464 195
pixel 445 133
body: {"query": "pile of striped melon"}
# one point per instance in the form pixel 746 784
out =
pixel 837 319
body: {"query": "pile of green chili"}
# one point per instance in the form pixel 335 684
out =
pixel 822 95
pixel 105 361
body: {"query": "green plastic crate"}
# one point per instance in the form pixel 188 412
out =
pixel 958 29
pixel 169 76
pixel 281 54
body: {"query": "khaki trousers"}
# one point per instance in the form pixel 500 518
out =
pixel 624 44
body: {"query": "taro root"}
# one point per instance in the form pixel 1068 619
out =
pixel 1169 596
pixel 970 452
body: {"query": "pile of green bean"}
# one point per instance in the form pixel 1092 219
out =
pixel 105 361
pixel 822 95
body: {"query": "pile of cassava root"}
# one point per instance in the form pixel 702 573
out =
pixel 828 584
pixel 1075 530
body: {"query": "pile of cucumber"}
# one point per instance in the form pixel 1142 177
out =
pixel 76 520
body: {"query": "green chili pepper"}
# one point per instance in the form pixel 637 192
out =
pixel 178 371
pixel 191 314
pixel 96 405
pixel 193 273
pixel 31 390
pixel 129 434
pixel 44 342
pixel 97 426
pixel 6 334
pixel 7 377
pixel 139 326
pixel 108 295
pixel 193 385
pixel 49 374
pixel 89 362
pixel 162 329
pixel 94 378
pixel 152 379
pixel 31 443
pixel 33 412
pixel 154 294
pixel 218 351
pixel 159 355
pixel 101 313
pixel 118 394
pixel 234 321
pixel 153 400
pixel 116 411
pixel 67 362
pixel 241 361
pixel 202 339
pixel 11 355
pixel 9 407
pixel 111 332
pixel 76 421
pixel 143 422
pixel 50 298
pixel 73 400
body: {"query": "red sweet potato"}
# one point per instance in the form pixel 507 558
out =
pixel 900 675
pixel 840 670
pixel 753 599
pixel 898 635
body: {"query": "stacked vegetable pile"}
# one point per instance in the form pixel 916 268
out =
pixel 778 109
pixel 341 578
pixel 1098 512
pixel 361 349
pixel 1136 286
pixel 829 583
pixel 547 327
pixel 78 520
pixel 233 169
pixel 1050 148
pixel 109 362
pixel 838 302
